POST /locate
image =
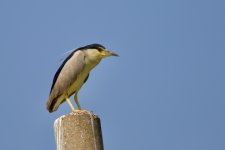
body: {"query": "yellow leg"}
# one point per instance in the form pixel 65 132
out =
pixel 76 100
pixel 71 105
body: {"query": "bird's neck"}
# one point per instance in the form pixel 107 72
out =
pixel 91 63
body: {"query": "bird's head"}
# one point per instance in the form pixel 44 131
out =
pixel 96 52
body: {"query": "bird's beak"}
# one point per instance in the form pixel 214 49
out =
pixel 108 53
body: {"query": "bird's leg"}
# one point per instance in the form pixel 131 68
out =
pixel 76 100
pixel 71 105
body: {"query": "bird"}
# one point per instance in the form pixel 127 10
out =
pixel 73 73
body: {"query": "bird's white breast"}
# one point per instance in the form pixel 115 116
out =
pixel 89 65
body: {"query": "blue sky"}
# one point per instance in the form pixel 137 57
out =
pixel 166 91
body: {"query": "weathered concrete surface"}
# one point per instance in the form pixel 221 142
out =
pixel 78 131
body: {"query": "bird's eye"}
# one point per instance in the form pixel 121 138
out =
pixel 100 49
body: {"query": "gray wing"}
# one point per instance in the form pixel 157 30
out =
pixel 65 77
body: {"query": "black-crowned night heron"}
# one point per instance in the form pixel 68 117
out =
pixel 73 73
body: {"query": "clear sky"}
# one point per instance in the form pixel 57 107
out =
pixel 165 92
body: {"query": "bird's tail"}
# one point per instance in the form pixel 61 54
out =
pixel 52 104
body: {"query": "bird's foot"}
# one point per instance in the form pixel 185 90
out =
pixel 76 110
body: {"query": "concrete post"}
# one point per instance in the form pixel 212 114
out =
pixel 78 131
